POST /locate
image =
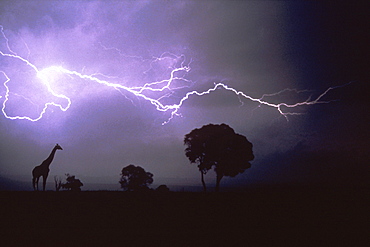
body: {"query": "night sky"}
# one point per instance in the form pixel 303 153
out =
pixel 256 47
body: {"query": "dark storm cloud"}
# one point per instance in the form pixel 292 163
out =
pixel 256 47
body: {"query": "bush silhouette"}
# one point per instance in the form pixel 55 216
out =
pixel 162 188
pixel 72 183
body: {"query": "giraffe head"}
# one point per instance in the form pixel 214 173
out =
pixel 58 147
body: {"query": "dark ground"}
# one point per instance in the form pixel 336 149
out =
pixel 261 217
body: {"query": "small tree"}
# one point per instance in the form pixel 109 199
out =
pixel 135 178
pixel 72 183
pixel 58 182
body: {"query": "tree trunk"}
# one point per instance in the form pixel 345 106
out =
pixel 218 180
pixel 203 183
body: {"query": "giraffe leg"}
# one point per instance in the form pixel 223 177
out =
pixel 34 183
pixel 44 182
pixel 37 183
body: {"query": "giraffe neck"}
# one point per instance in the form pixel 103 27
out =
pixel 49 159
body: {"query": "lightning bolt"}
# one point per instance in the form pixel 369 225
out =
pixel 178 69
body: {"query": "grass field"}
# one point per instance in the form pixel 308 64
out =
pixel 261 217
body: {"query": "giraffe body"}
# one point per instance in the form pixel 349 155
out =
pixel 43 169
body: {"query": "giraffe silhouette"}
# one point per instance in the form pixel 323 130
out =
pixel 43 169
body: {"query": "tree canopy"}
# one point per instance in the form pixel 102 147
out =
pixel 135 178
pixel 220 147
pixel 72 183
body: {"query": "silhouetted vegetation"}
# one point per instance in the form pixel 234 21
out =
pixel 58 183
pixel 162 188
pixel 135 178
pixel 220 147
pixel 72 183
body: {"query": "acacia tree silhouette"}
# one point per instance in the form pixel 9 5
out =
pixel 135 178
pixel 220 147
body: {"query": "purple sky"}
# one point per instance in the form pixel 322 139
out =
pixel 252 46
